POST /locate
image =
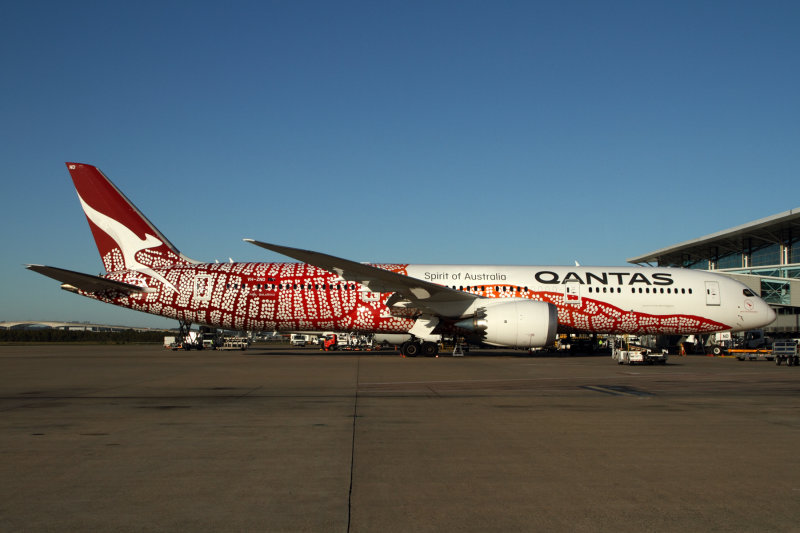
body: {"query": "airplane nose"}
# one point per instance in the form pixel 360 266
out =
pixel 769 314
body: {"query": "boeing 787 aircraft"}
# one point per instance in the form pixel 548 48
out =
pixel 514 306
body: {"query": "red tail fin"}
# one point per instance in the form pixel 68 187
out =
pixel 125 238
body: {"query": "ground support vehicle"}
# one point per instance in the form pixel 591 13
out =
pixel 786 351
pixel 234 343
pixel 752 354
pixel 329 342
pixel 193 340
pixel 299 339
pixel 638 355
pixel 358 343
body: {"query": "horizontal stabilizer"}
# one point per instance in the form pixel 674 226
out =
pixel 85 282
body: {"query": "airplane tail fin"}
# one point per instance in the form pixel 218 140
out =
pixel 125 238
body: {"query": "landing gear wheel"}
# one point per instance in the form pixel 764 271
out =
pixel 410 349
pixel 430 349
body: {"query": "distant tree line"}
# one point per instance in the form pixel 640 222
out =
pixel 59 335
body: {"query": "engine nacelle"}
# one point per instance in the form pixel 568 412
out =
pixel 518 323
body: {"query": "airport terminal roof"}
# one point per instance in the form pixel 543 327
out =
pixel 775 229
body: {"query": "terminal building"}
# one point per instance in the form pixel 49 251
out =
pixel 763 254
pixel 70 326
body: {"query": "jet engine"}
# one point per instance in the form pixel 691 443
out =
pixel 518 323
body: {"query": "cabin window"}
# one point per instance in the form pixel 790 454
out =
pixel 748 292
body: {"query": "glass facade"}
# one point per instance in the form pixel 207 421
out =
pixel 730 261
pixel 697 265
pixel 769 255
pixel 794 253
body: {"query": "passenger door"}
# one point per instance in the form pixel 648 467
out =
pixel 572 293
pixel 712 293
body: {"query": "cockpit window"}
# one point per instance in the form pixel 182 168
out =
pixel 748 292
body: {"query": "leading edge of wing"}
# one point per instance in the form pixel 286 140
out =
pixel 86 282
pixel 424 294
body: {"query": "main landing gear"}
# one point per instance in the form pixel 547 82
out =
pixel 415 348
pixel 185 340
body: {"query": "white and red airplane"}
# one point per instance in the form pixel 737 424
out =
pixel 515 306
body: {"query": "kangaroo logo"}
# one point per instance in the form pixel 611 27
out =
pixel 127 241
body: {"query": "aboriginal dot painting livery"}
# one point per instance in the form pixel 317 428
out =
pixel 519 306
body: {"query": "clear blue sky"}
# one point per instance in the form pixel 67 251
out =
pixel 424 132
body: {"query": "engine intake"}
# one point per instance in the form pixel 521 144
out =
pixel 519 323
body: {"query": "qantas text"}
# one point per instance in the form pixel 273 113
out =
pixel 621 278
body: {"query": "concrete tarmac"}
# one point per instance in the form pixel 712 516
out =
pixel 136 438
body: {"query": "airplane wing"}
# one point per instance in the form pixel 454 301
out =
pixel 409 292
pixel 86 282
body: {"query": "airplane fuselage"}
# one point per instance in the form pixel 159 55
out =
pixel 301 297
